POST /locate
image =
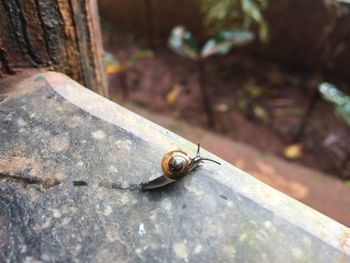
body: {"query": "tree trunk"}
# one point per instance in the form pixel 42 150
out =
pixel 60 35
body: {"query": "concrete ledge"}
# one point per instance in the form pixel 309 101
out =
pixel 54 131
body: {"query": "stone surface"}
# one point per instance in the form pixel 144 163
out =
pixel 53 132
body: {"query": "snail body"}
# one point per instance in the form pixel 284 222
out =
pixel 175 165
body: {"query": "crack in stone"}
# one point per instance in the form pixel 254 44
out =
pixel 46 183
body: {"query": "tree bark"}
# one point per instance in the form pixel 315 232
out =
pixel 60 35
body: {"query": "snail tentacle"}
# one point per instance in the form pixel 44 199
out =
pixel 211 160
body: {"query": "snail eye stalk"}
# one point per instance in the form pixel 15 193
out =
pixel 199 158
pixel 198 148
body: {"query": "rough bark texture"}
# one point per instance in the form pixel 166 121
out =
pixel 62 35
pixel 63 151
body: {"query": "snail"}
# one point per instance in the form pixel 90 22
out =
pixel 175 165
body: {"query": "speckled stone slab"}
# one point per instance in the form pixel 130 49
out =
pixel 54 132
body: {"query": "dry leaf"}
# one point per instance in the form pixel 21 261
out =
pixel 261 114
pixel 173 95
pixel 221 107
pixel 112 69
pixel 293 151
pixel 254 91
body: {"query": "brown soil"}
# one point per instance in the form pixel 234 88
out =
pixel 282 93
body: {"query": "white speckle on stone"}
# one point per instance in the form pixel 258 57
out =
pixel 107 211
pixel 113 169
pixel 229 203
pixel 21 123
pixel 123 145
pixel 111 234
pixel 56 213
pixel 59 174
pixel 153 217
pixel 46 224
pixel 197 249
pixel 80 164
pixel 260 235
pixel 45 257
pixel 73 210
pixel 270 227
pixel 77 247
pixel 34 195
pixel 297 253
pixel 23 248
pixel 124 199
pixel 30 260
pixel 83 141
pixel 32 115
pixel 99 135
pixel 158 230
pixel 138 251
pixel 229 250
pixel 65 221
pixel 307 242
pixel 166 204
pixel 59 143
pixel 212 226
pixel 267 224
pixel 181 251
pixel 142 230
pixel 194 189
pixel 242 237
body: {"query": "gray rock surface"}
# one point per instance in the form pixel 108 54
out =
pixel 53 132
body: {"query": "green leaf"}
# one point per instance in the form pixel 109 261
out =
pixel 347 183
pixel 263 3
pixel 340 101
pixel 182 42
pixel 252 9
pixel 225 40
pixel 264 32
pixel 139 55
pixel 254 91
pixel 260 113
pixel 242 103
pixel 228 14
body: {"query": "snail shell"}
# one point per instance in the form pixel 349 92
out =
pixel 176 164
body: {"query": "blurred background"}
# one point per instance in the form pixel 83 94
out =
pixel 264 84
